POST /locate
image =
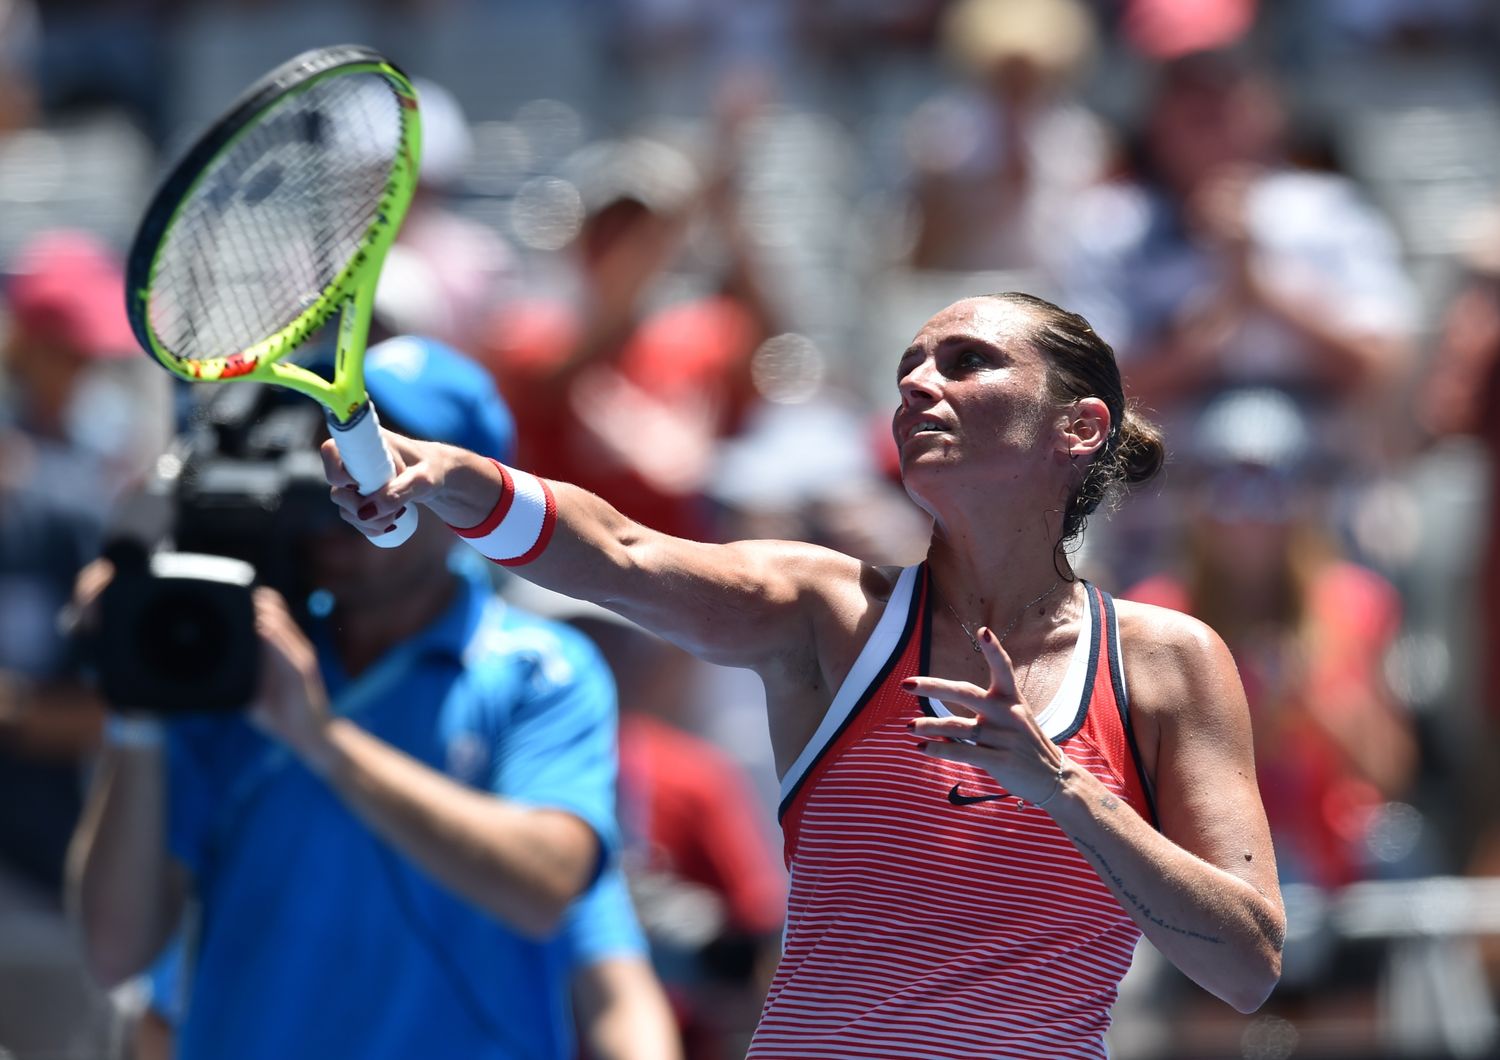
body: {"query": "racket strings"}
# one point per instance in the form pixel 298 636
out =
pixel 276 217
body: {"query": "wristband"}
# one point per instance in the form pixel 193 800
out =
pixel 122 730
pixel 519 526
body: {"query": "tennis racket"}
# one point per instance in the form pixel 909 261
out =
pixel 276 221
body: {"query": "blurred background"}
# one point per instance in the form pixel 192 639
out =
pixel 691 237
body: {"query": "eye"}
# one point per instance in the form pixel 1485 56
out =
pixel 970 358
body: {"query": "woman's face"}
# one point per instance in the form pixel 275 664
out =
pixel 973 395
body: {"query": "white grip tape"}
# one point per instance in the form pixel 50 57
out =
pixel 366 459
pixel 518 529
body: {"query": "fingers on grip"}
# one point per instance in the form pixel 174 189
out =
pixel 368 463
pixel 404 526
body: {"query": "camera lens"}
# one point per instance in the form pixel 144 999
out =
pixel 181 632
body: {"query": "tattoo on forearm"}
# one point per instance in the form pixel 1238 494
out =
pixel 1141 907
pixel 1109 802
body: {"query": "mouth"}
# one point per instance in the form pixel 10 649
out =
pixel 924 426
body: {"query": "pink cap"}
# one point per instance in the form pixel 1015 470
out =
pixel 68 287
pixel 1167 29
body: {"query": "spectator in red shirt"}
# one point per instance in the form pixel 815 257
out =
pixel 1309 631
pixel 623 398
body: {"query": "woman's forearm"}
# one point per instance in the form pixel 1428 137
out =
pixel 1215 927
pixel 739 604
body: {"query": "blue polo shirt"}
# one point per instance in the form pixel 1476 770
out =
pixel 316 939
pixel 602 924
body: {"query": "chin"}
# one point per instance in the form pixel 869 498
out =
pixel 911 481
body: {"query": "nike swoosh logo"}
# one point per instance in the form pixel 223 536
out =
pixel 969 800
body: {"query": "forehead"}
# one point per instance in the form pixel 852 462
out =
pixel 982 318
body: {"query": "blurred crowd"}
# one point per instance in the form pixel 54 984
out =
pixel 688 239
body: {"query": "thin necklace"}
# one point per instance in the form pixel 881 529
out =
pixel 974 641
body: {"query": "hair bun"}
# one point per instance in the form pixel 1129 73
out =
pixel 1141 451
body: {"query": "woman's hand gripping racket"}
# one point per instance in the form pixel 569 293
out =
pixel 277 220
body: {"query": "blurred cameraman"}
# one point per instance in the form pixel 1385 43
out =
pixel 383 850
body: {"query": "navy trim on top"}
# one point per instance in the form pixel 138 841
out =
pixel 916 606
pixel 1088 678
pixel 1117 678
pixel 1095 632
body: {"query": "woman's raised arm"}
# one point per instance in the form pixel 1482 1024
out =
pixel 756 604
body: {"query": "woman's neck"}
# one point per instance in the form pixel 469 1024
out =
pixel 991 582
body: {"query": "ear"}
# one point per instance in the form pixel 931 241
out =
pixel 1085 427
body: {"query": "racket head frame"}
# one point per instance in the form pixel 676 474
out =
pixel 350 293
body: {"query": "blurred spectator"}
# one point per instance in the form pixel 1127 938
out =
pixel 848 498
pixel 1410 23
pixel 1169 29
pixel 1000 163
pixel 618 397
pixel 670 53
pixel 75 381
pixel 70 432
pixel 18 44
pixel 107 54
pixel 1458 397
pixel 1308 629
pixel 1221 266
pixel 446 273
pixel 397 828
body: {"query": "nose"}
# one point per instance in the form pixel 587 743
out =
pixel 919 385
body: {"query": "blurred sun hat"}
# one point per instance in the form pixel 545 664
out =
pixel 1254 458
pixel 1257 426
pixel 428 389
pixel 1056 35
pixel 650 172
pixel 68 287
pixel 447 142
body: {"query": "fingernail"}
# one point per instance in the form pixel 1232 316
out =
pixel 911 726
pixel 986 633
pixel 400 511
pixel 367 511
pixel 922 746
pixel 908 682
pixel 389 529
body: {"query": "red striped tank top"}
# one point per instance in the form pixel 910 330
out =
pixel 931 915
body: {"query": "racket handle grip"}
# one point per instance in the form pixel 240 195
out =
pixel 366 458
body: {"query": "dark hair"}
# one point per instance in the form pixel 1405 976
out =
pixel 1080 365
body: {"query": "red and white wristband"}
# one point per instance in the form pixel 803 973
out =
pixel 519 526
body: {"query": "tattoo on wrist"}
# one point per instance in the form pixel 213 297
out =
pixel 1141 907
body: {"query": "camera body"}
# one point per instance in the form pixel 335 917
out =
pixel 231 506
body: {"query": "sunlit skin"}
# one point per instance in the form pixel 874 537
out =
pixel 995 472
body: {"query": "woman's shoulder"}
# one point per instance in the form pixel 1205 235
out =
pixel 815 568
pixel 1172 659
pixel 1155 621
pixel 840 595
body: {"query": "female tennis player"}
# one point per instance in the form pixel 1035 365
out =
pixel 995 778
